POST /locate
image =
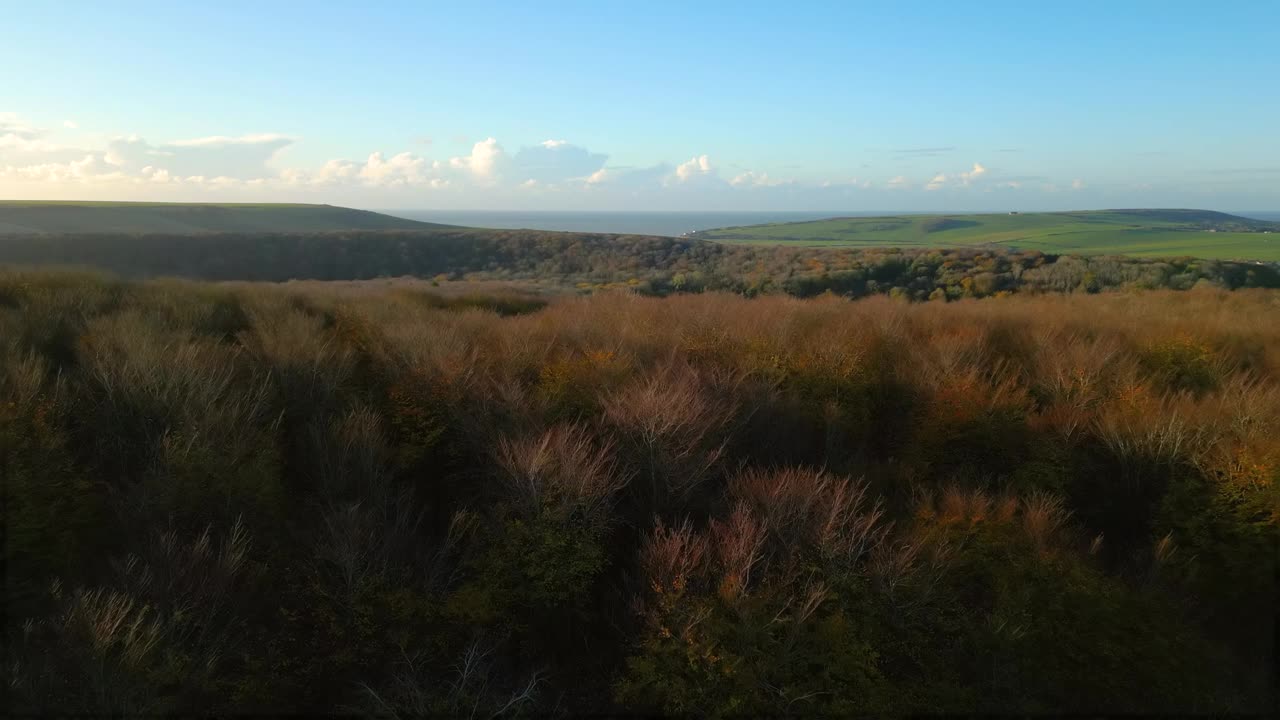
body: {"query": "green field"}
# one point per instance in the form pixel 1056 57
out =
pixel 24 217
pixel 1145 233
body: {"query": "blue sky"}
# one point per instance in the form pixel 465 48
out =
pixel 645 106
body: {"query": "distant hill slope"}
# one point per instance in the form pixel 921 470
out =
pixel 1144 233
pixel 20 218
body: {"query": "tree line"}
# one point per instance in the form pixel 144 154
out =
pixel 649 265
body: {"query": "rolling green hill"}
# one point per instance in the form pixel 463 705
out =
pixel 23 217
pixel 1146 233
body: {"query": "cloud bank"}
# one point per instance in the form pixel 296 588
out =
pixel 44 163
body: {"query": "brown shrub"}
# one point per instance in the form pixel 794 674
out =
pixel 676 425
pixel 672 556
pixel 738 545
pixel 563 471
pixel 802 507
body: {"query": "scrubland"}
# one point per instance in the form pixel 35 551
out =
pixel 262 498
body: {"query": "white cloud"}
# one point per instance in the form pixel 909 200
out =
pixel 23 145
pixel 631 179
pixel 86 169
pixel 249 167
pixel 402 169
pixel 157 176
pixel 850 183
pixel 483 161
pixel 750 178
pixel 695 167
pixel 11 124
pixel 297 176
pixel 243 157
pixel 961 179
pixel 70 124
pixel 224 140
pixel 336 171
pixel 555 161
pixel 27 144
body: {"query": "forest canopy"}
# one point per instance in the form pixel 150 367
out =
pixel 649 265
pixel 301 498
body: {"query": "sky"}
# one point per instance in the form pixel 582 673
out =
pixel 650 105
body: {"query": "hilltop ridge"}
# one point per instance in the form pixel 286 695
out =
pixel 36 217
pixel 1137 232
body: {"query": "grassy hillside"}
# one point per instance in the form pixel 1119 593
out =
pixel 300 499
pixel 1145 233
pixel 23 217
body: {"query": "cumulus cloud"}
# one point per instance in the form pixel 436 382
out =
pixel 15 143
pixel 863 183
pixel 555 161
pixel 224 140
pixel 157 175
pixel 334 171
pixel 693 168
pixel 243 157
pixel 401 169
pixel 483 161
pixel 631 178
pixel 961 179
pixel 88 168
pixel 24 144
pixel 11 124
pixel 251 167
pixel 750 178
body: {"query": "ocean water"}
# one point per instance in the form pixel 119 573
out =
pixel 637 223
pixel 643 223
pixel 1272 215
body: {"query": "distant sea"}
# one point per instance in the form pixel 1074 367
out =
pixel 644 223
pixel 1272 215
pixel 634 223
